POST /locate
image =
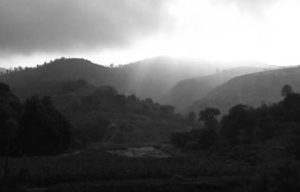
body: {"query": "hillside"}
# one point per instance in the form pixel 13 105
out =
pixel 40 79
pixel 147 78
pixel 188 91
pixel 102 114
pixel 251 89
pixel 154 77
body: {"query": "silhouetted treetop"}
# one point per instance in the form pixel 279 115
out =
pixel 208 115
pixel 34 128
pixel 4 88
pixel 286 90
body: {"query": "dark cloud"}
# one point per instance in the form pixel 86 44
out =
pixel 28 26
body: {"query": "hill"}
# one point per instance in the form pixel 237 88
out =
pixel 251 89
pixel 147 78
pixel 188 91
pixel 154 77
pixel 78 113
pixel 40 79
pixel 103 114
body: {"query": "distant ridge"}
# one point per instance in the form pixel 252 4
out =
pixel 147 78
pixel 37 80
pixel 150 78
pixel 188 91
pixel 159 74
pixel 252 89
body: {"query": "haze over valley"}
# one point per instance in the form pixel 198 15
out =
pixel 149 95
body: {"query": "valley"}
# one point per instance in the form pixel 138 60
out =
pixel 72 130
pixel 149 96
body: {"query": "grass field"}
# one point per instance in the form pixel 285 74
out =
pixel 96 168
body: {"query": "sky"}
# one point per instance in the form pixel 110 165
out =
pixel 122 31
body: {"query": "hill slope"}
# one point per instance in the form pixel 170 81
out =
pixel 39 80
pixel 251 89
pixel 188 91
pixel 147 78
pixel 154 77
pixel 102 114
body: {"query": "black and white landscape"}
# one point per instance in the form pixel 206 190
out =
pixel 149 95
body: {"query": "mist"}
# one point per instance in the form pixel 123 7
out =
pixel 149 95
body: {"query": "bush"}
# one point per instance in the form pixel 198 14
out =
pixel 278 176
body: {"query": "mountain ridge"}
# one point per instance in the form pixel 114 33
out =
pixel 150 78
pixel 147 78
pixel 251 89
pixel 188 91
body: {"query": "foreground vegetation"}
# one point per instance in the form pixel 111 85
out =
pixel 96 165
pixel 255 168
pixel 34 127
pixel 250 149
pixel 267 137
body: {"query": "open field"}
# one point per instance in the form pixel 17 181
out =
pixel 96 168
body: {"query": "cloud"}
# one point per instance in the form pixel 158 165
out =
pixel 29 26
pixel 252 6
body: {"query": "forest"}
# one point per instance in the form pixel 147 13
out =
pixel 61 131
pixel 248 149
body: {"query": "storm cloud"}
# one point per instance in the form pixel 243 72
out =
pixel 28 26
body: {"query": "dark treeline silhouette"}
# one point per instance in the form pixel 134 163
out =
pixel 106 98
pixel 20 68
pixel 34 127
pixel 246 125
pixel 38 126
pixel 250 89
pixel 248 149
pixel 255 136
pixel 102 114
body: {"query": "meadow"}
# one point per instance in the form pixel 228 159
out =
pixel 96 168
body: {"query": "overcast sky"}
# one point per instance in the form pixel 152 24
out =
pixel 121 31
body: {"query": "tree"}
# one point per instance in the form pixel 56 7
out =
pixel 132 98
pixel 207 136
pixel 208 115
pixel 238 121
pixel 34 128
pixel 10 134
pixel 167 109
pixel 45 130
pixel 286 90
pixel 9 127
pixel 192 117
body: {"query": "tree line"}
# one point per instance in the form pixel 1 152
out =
pixel 32 127
pixel 245 125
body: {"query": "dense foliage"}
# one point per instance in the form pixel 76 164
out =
pixel 267 137
pixel 245 125
pixel 104 115
pixel 34 127
pixel 251 89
